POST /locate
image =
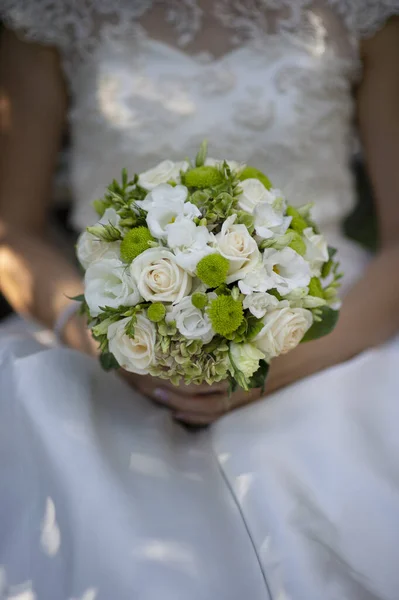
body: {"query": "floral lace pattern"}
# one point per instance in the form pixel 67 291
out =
pixel 148 82
pixel 77 28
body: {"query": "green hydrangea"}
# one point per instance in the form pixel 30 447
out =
pixel 203 177
pixel 252 173
pixel 226 314
pixel 189 361
pixel 156 312
pixel 135 242
pixel 213 269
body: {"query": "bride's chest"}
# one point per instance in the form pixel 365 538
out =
pixel 266 92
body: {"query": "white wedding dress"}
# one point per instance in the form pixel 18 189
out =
pixel 102 495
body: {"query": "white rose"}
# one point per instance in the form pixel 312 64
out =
pixel 253 192
pixel 259 303
pixel 159 278
pixel 167 170
pixel 89 248
pixel 316 251
pixel 136 354
pixel 286 270
pixel 246 358
pixel 189 243
pixel 165 205
pixel 270 222
pixel 283 330
pixel 108 283
pixel 237 245
pixel 191 322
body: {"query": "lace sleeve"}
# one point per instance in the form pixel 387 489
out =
pixel 363 18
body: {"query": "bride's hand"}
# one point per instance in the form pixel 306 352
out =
pixel 204 404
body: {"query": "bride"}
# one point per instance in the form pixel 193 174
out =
pixel 105 495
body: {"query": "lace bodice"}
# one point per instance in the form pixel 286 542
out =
pixel 267 82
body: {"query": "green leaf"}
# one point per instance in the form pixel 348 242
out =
pixel 329 318
pixel 258 380
pixel 124 177
pixel 331 252
pixel 78 298
pixel 254 326
pixel 100 206
pixel 202 153
pixel 108 361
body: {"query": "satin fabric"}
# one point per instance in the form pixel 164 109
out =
pixel 104 496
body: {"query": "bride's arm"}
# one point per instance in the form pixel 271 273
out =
pixel 370 311
pixel 34 275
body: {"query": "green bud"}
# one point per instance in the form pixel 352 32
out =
pixel 156 312
pixel 252 173
pixel 279 243
pixel 213 269
pixel 199 300
pixel 202 153
pixel 135 242
pixel 106 233
pixel 203 177
pixel 226 314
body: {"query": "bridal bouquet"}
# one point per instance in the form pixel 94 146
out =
pixel 203 272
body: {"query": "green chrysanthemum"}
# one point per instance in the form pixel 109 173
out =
pixel 203 177
pixel 213 269
pixel 252 173
pixel 315 288
pixel 156 312
pixel 226 314
pixel 135 242
pixel 298 223
pixel 199 300
pixel 298 244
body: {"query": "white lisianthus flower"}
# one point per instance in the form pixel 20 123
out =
pixel 165 205
pixel 165 171
pixel 136 354
pixel 270 222
pixel 89 248
pixel 191 322
pixel 283 330
pixel 286 270
pixel 255 280
pixel 253 192
pixel 163 194
pixel 108 282
pixel 259 303
pixel 236 244
pixel 235 166
pixel 246 358
pixel 316 251
pixel 158 276
pixel 189 243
